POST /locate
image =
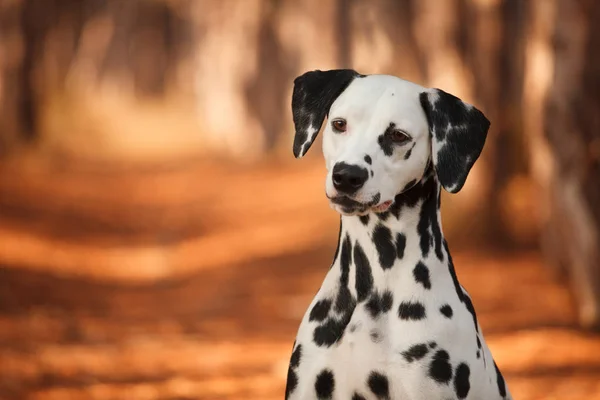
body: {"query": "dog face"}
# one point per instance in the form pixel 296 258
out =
pixel 381 134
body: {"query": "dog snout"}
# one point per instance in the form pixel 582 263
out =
pixel 348 179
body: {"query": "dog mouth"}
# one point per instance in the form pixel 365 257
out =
pixel 350 206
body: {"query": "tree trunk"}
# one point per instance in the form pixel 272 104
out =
pixel 14 101
pixel 60 56
pixel 562 95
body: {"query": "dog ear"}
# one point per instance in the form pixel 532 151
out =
pixel 458 131
pixel 314 93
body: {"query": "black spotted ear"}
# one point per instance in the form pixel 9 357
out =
pixel 458 131
pixel 314 92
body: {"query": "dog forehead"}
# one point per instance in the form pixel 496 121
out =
pixel 384 95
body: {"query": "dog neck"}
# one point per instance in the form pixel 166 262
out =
pixel 371 247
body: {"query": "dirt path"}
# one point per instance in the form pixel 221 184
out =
pixel 114 310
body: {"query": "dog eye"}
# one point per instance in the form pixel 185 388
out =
pixel 339 125
pixel 399 137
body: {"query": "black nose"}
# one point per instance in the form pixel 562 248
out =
pixel 348 178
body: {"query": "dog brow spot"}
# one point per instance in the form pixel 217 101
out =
pixel 384 142
pixel 368 159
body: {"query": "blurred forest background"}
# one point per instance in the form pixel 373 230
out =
pixel 159 241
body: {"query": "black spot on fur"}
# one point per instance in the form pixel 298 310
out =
pixel 328 333
pixel 339 243
pixel 478 342
pixel 478 354
pixel 461 380
pixel 409 185
pixel 379 385
pixel 372 173
pixel 471 309
pixel 432 345
pixel 500 381
pixel 421 274
pixel 375 336
pixel 345 261
pixel 386 144
pixel 364 219
pixel 462 129
pixel 332 330
pixel 428 228
pixel 415 352
pixel 409 310
pixel 400 245
pixel 409 152
pixel 320 310
pixel 380 304
pixel 457 288
pixel 357 396
pixel 440 369
pixel 344 302
pixel 446 310
pixel 387 299
pixel 292 377
pixel 296 355
pixel 364 277
pixel 414 191
pixel 332 327
pixel 325 384
pixel 375 199
pixel 373 306
pixel 368 159
pixel 459 292
pixel 291 383
pixel 344 298
pixel 382 237
pixel 462 296
pixel 383 216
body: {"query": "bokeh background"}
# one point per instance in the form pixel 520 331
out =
pixel 159 241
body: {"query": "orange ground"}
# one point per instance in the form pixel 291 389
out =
pixel 158 285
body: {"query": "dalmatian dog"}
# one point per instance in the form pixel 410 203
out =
pixel 390 320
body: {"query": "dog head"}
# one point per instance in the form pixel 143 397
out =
pixel 381 134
